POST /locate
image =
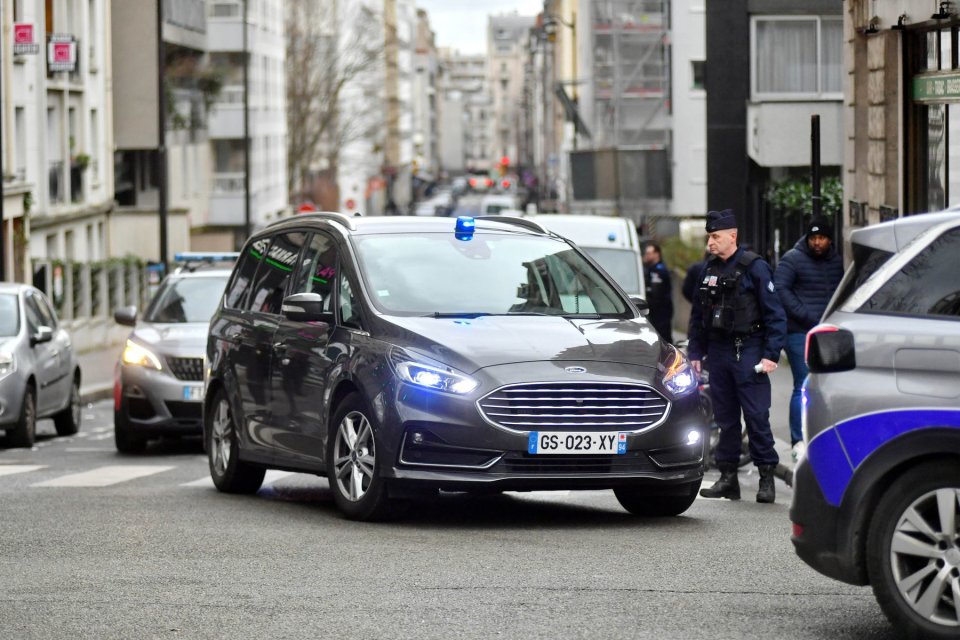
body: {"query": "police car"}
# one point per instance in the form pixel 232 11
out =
pixel 877 498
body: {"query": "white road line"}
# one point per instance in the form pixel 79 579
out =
pixel 85 450
pixel 103 476
pixel 10 469
pixel 272 476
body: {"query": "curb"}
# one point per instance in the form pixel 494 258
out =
pixel 97 392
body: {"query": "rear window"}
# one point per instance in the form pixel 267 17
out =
pixel 928 285
pixel 866 262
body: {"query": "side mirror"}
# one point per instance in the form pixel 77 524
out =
pixel 43 334
pixel 640 304
pixel 305 307
pixel 830 350
pixel 126 315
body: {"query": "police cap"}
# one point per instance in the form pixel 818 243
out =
pixel 717 220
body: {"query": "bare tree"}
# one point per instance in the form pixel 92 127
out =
pixel 330 44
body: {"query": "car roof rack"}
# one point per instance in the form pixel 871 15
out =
pixel 191 260
pixel 518 222
pixel 331 216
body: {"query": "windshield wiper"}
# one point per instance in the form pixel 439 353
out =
pixel 459 314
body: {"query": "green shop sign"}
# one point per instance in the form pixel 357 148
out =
pixel 936 87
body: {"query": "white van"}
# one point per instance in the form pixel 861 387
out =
pixel 496 204
pixel 611 241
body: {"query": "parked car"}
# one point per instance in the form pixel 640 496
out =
pixel 495 203
pixel 877 497
pixel 158 383
pixel 611 241
pixel 402 355
pixel 39 374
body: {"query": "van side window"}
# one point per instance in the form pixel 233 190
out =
pixel 927 285
pixel 276 268
pixel 243 274
pixel 318 270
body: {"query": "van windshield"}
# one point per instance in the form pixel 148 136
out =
pixel 498 274
pixel 621 264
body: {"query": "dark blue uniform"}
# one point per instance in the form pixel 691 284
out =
pixel 660 299
pixel 734 385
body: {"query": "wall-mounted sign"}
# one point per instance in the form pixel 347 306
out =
pixel 23 39
pixel 936 87
pixel 62 53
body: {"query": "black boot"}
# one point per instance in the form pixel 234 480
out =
pixel 728 486
pixel 767 492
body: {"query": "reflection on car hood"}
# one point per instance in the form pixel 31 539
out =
pixel 188 336
pixel 469 344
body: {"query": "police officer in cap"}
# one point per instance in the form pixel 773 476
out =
pixel 737 321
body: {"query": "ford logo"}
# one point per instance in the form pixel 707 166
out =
pixel 575 370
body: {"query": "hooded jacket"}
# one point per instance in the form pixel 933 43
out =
pixel 805 284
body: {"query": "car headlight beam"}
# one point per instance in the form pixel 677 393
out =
pixel 423 375
pixel 135 354
pixel 678 377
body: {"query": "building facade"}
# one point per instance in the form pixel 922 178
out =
pixel 468 120
pixel 57 140
pixel 506 37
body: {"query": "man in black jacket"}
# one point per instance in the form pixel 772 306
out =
pixel 806 279
pixel 659 291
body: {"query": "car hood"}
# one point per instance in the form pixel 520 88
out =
pixel 469 344
pixel 180 337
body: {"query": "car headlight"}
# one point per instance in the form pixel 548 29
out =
pixel 424 375
pixel 133 353
pixel 678 377
pixel 8 364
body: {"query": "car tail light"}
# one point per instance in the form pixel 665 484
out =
pixel 489 182
pixel 830 349
pixel 797 530
pixel 505 184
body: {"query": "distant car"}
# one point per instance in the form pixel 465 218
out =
pixel 611 241
pixel 494 204
pixel 39 374
pixel 877 497
pixel 158 385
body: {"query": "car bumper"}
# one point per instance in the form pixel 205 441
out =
pixel 818 536
pixel 11 399
pixel 156 403
pixel 443 440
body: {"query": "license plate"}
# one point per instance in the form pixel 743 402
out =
pixel 193 393
pixel 552 442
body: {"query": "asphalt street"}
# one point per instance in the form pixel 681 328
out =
pixel 98 545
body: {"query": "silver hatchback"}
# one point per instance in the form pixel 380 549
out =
pixel 39 374
pixel 877 498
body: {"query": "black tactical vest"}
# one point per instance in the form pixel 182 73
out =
pixel 726 308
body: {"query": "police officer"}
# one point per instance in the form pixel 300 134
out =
pixel 659 291
pixel 737 321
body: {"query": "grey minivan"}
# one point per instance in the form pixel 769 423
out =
pixel 39 374
pixel 402 355
pixel 877 498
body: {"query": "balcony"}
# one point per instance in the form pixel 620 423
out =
pixel 773 129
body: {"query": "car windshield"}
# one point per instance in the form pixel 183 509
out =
pixel 621 264
pixel 9 315
pixel 187 299
pixel 494 274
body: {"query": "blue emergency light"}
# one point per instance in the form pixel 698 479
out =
pixel 612 237
pixel 466 225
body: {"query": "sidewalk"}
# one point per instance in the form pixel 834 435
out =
pixel 96 372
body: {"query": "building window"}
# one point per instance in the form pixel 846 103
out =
pixel 697 69
pixel 797 57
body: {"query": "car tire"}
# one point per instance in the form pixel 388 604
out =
pixel 641 502
pixel 229 473
pixel 67 421
pixel 353 463
pixel 926 556
pixel 24 434
pixel 124 439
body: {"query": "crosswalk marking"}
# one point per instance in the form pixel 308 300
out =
pixel 271 476
pixel 10 469
pixel 103 476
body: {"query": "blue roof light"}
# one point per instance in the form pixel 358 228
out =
pixel 466 225
pixel 612 237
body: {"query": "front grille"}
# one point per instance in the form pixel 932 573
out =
pixel 186 368
pixel 632 462
pixel 580 406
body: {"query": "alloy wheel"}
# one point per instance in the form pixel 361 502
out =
pixel 221 434
pixel 354 456
pixel 925 556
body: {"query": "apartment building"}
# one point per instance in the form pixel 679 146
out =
pixel 57 178
pixel 468 116
pixel 506 56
